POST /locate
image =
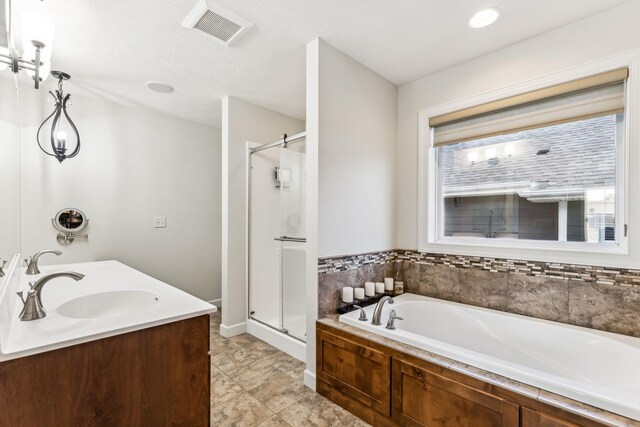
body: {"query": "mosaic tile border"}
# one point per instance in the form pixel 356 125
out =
pixel 585 273
pixel 353 262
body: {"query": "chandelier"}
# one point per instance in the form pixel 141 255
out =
pixel 61 125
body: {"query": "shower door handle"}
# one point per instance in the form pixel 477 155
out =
pixel 291 239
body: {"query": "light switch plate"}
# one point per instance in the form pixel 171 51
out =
pixel 160 222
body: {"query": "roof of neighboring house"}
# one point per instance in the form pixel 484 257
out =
pixel 581 156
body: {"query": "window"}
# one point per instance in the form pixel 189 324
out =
pixel 553 183
pixel 544 169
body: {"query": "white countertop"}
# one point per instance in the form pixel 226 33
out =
pixel 159 304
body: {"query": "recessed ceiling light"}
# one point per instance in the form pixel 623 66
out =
pixel 484 18
pixel 159 87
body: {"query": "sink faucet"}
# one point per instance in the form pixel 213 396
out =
pixel 33 309
pixel 377 312
pixel 32 261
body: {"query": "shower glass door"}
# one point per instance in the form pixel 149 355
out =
pixel 277 238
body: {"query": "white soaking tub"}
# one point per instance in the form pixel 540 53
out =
pixel 594 367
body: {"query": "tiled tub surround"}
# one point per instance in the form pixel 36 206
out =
pixel 593 297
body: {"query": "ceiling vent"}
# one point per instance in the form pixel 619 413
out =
pixel 217 23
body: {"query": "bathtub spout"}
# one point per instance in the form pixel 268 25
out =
pixel 377 312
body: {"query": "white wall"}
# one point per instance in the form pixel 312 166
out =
pixel 134 165
pixel 9 170
pixel 242 122
pixel 357 157
pixel 351 164
pixel 573 45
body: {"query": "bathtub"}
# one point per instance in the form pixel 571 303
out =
pixel 594 367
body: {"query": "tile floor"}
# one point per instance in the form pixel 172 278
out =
pixel 255 384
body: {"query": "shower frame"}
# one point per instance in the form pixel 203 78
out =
pixel 284 142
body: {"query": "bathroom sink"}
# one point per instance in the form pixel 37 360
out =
pixel 108 304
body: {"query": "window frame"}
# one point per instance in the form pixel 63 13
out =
pixel 624 253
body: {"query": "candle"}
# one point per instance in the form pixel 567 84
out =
pixel 370 289
pixel 379 288
pixel 347 294
pixel 358 293
pixel 388 283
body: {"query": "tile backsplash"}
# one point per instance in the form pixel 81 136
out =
pixel 593 297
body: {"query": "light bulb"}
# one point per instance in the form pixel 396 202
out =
pixel 472 156
pixel 490 153
pixel 484 17
pixel 61 135
pixel 37 28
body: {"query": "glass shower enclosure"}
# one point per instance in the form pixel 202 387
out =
pixel 277 235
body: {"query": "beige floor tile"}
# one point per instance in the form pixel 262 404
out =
pixel 222 345
pixel 224 389
pixel 255 374
pixel 215 371
pixel 251 343
pixel 281 391
pixel 243 411
pixel 274 421
pixel 285 363
pixel 313 411
pixel 233 359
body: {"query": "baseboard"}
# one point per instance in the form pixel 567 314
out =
pixel 233 330
pixel 291 346
pixel 216 302
pixel 310 379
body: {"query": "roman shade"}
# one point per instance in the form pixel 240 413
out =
pixel 592 96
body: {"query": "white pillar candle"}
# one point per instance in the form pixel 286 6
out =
pixel 379 288
pixel 358 293
pixel 388 283
pixel 370 289
pixel 347 294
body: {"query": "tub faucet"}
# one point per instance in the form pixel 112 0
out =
pixel 392 318
pixel 363 315
pixel 32 261
pixel 33 309
pixel 377 312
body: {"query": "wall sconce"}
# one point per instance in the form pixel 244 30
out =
pixel 59 130
pixel 37 42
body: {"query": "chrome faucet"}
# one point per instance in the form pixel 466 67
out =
pixel 392 318
pixel 377 312
pixel 33 309
pixel 363 315
pixel 32 261
pixel 2 264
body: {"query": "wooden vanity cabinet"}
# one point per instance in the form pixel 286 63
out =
pixel 158 376
pixel 424 398
pixel 386 387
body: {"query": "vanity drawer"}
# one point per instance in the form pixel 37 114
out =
pixel 359 372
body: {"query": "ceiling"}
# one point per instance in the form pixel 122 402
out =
pixel 111 48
